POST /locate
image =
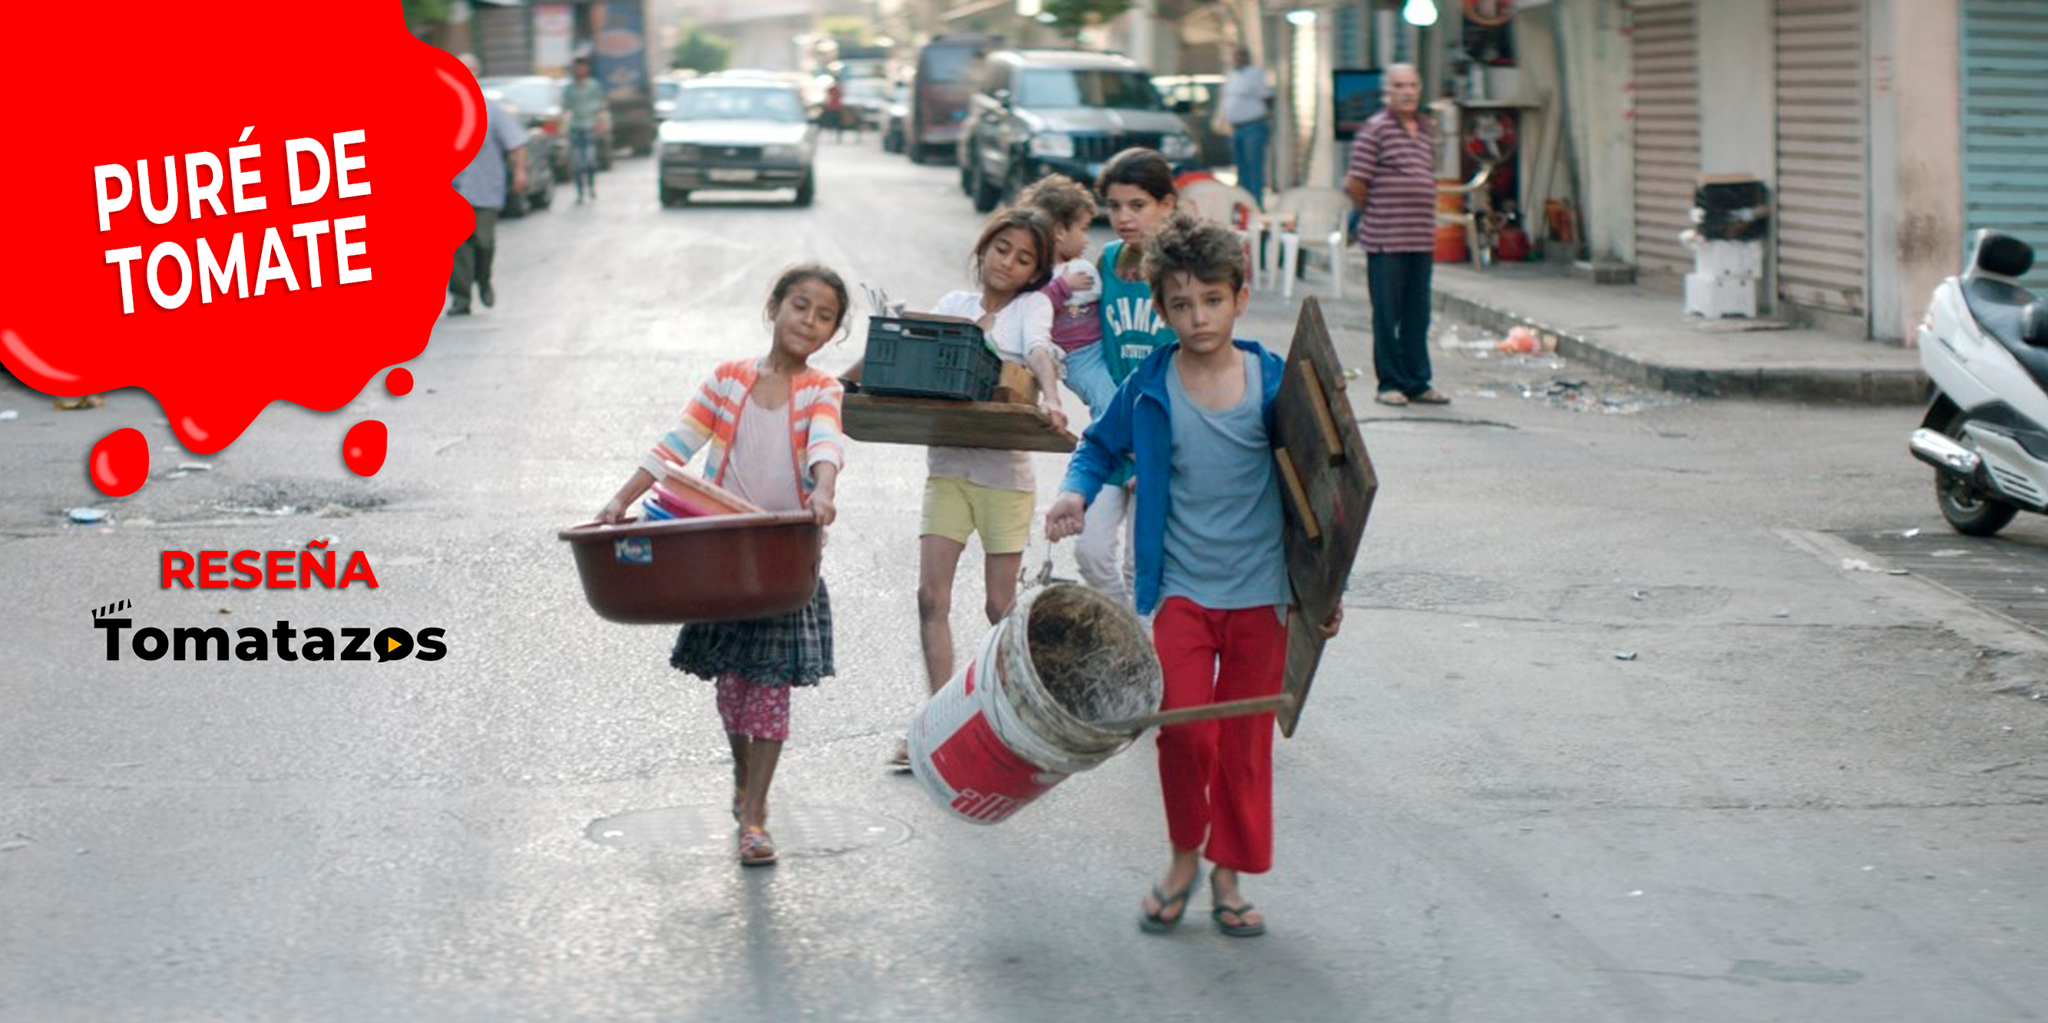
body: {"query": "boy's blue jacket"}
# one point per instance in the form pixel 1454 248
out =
pixel 1138 421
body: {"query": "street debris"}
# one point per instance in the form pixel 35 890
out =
pixel 86 516
pixel 195 467
pixel 1910 533
pixel 8 414
pixel 88 401
pixel 1781 613
pixel 1624 655
pixel 1858 565
pixel 1523 341
pixel 1948 553
pixel 1639 595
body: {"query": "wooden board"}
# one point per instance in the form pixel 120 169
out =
pixel 1316 432
pixel 881 419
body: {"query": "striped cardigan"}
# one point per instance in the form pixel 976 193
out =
pixel 713 415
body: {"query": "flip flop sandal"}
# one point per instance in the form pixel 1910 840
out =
pixel 1239 929
pixel 1159 923
pixel 756 848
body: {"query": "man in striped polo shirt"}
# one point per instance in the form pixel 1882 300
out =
pixel 1392 179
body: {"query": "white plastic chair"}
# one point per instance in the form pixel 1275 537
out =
pixel 1320 214
pixel 1228 205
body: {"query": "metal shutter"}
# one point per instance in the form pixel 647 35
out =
pixel 1823 200
pixel 1667 135
pixel 502 46
pixel 2005 123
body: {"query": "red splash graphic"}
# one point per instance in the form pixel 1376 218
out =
pixel 120 462
pixel 398 382
pixel 363 448
pixel 139 254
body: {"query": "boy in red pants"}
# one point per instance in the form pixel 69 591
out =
pixel 1198 416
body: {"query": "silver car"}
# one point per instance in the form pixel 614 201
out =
pixel 736 133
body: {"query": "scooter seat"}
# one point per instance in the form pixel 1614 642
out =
pixel 1999 307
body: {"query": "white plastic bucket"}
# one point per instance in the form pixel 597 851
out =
pixel 994 738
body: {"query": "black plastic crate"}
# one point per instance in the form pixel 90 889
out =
pixel 929 359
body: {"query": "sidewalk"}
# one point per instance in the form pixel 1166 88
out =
pixel 1644 336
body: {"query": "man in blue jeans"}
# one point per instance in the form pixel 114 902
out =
pixel 1392 179
pixel 583 102
pixel 1247 104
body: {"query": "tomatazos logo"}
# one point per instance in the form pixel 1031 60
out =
pixel 214 643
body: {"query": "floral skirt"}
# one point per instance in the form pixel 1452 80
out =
pixel 790 649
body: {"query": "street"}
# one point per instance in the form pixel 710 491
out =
pixel 1619 726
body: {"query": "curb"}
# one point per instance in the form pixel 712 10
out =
pixel 1788 383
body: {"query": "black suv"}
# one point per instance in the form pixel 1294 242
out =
pixel 1039 112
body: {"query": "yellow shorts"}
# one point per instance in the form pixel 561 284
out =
pixel 957 509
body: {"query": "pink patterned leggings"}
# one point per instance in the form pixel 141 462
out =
pixel 752 709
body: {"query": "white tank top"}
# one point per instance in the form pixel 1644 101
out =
pixel 759 466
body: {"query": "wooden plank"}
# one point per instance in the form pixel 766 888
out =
pixel 1331 442
pixel 1015 385
pixel 1297 496
pixel 938 422
pixel 1337 484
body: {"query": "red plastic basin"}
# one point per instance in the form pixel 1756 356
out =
pixel 717 569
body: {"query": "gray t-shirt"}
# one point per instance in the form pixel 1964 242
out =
pixel 483 181
pixel 1223 516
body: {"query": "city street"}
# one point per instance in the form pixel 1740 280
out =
pixel 1629 718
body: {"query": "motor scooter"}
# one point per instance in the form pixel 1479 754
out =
pixel 1984 345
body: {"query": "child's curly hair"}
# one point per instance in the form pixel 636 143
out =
pixel 1059 197
pixel 1204 250
pixel 1031 222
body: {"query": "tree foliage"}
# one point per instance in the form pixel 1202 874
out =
pixel 423 12
pixel 1071 16
pixel 847 28
pixel 699 51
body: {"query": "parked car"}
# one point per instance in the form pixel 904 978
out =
pixel 947 69
pixel 540 173
pixel 537 101
pixel 894 116
pixel 1039 112
pixel 736 133
pixel 1196 98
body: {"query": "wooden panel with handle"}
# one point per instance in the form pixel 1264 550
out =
pixel 1329 483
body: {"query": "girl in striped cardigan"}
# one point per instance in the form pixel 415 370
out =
pixel 769 431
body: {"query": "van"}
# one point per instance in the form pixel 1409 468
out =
pixel 947 69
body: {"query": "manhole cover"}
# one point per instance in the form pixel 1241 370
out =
pixel 708 830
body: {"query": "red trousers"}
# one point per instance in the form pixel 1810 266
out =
pixel 1217 776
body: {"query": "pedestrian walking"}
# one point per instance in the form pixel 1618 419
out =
pixel 1392 179
pixel 772 427
pixel 981 490
pixel 836 113
pixel 1198 417
pixel 1137 187
pixel 1247 106
pixel 583 102
pixel 483 184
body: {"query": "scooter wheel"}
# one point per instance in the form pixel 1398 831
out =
pixel 1968 509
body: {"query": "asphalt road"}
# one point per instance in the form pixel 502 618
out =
pixel 1815 792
